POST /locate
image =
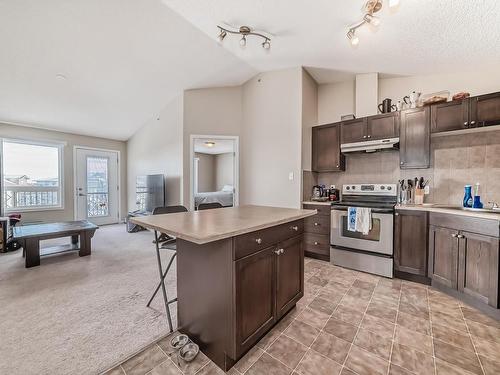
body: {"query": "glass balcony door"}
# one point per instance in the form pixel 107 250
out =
pixel 96 188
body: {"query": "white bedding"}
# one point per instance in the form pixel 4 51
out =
pixel 223 197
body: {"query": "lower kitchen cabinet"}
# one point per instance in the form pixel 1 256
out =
pixel 410 245
pixel 478 267
pixel 289 268
pixel 255 296
pixel 317 232
pixel 443 256
pixel 268 283
pixel 464 261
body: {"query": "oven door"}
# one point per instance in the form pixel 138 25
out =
pixel 378 240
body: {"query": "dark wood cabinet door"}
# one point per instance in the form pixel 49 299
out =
pixel 255 293
pixel 410 242
pixel 289 274
pixel 443 256
pixel 415 138
pixel 450 116
pixel 484 110
pixel 326 156
pixel 354 130
pixel 478 267
pixel 383 126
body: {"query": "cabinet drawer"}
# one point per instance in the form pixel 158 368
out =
pixel 249 243
pixel 487 227
pixel 318 224
pixel 322 209
pixel 317 243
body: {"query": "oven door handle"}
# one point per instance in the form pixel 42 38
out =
pixel 374 210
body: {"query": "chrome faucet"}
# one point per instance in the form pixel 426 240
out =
pixel 494 205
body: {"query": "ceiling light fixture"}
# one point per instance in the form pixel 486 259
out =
pixel 370 7
pixel 245 31
pixel 210 144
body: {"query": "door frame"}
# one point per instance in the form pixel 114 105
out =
pixel 119 187
pixel 236 181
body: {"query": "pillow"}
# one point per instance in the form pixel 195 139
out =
pixel 228 188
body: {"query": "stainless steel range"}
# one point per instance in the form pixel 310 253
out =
pixel 371 252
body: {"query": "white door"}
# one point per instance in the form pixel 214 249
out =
pixel 96 186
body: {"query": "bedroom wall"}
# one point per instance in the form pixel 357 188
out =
pixel 206 172
pixel 224 171
pixel 71 140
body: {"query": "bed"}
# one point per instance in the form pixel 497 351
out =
pixel 224 197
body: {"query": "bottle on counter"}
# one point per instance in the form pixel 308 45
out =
pixel 477 197
pixel 467 196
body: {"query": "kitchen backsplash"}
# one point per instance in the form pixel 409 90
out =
pixel 456 160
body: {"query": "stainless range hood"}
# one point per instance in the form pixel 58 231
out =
pixel 371 146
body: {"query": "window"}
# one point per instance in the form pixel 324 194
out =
pixel 31 178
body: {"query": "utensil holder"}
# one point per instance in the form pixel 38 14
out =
pixel 419 196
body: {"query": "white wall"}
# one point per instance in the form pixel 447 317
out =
pixel 206 172
pixel 475 82
pixel 213 111
pixel 224 170
pixel 309 116
pixel 272 139
pixel 157 148
pixel 335 100
pixel 27 133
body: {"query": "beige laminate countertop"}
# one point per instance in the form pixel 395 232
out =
pixel 211 225
pixel 446 209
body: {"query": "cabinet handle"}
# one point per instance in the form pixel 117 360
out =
pixel 277 252
pixel 364 136
pixel 258 240
pixel 295 228
pixel 454 235
pixel 369 136
pixel 316 224
pixel 402 162
pixel 337 166
pixel 466 124
pixel 472 122
pixel 396 214
pixel 460 236
pixel 316 243
pixel 282 251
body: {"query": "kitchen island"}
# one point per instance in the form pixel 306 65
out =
pixel 239 271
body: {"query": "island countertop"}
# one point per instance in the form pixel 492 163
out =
pixel 206 226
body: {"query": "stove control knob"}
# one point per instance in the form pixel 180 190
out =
pixel 353 187
pixel 389 188
pixel 382 187
pixel 347 188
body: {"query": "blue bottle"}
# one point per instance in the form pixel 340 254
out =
pixel 477 197
pixel 468 196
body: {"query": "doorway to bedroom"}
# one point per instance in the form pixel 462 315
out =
pixel 214 171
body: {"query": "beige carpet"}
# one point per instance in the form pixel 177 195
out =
pixel 75 315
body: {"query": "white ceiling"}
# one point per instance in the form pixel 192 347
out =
pixel 421 37
pixel 222 146
pixel 125 59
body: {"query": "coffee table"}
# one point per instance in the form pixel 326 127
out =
pixel 29 236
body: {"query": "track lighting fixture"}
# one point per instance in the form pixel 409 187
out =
pixel 371 7
pixel 244 31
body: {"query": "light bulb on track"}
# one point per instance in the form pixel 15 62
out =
pixel 243 41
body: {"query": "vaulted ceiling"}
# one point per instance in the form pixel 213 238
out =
pixel 104 68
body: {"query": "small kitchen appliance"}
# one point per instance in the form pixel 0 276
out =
pixel 371 252
pixel 386 106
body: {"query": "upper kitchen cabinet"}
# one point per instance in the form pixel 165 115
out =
pixel 484 110
pixel 383 126
pixel 326 156
pixel 415 138
pixel 354 130
pixel 450 116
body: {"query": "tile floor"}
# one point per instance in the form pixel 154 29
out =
pixel 351 323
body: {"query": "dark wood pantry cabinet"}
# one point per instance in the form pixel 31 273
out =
pixel 410 245
pixel 326 155
pixel 415 138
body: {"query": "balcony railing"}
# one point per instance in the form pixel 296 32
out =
pixel 26 197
